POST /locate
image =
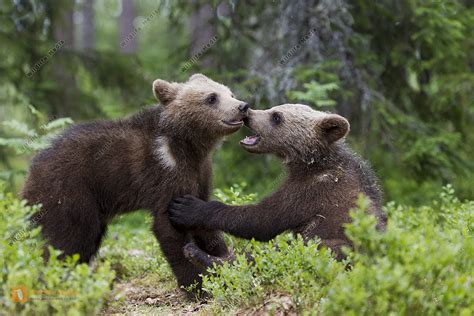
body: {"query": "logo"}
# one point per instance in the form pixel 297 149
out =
pixel 19 295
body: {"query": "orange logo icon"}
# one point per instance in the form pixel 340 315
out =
pixel 19 295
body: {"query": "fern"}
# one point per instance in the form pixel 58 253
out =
pixel 20 127
pixel 27 140
pixel 316 94
pixel 58 123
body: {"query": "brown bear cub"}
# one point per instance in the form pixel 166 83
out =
pixel 324 179
pixel 94 171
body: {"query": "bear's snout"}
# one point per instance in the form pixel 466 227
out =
pixel 243 107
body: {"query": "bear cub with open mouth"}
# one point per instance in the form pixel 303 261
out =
pixel 324 179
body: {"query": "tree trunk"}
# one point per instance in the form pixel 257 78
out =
pixel 202 31
pixel 88 29
pixel 64 97
pixel 63 25
pixel 128 34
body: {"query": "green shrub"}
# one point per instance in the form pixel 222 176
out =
pixel 284 265
pixel 59 287
pixel 234 195
pixel 422 265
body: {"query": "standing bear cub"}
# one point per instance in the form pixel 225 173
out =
pixel 324 179
pixel 94 171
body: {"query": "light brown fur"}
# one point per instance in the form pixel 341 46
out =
pixel 324 179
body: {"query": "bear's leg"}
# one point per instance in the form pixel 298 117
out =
pixel 211 241
pixel 74 228
pixel 172 242
pixel 336 246
pixel 203 259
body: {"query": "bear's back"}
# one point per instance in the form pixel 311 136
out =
pixel 100 155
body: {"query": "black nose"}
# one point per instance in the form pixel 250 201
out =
pixel 243 107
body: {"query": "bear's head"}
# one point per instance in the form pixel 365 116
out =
pixel 293 131
pixel 200 105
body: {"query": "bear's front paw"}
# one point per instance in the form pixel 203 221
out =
pixel 185 211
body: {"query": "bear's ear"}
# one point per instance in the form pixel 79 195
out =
pixel 165 91
pixel 333 127
pixel 198 77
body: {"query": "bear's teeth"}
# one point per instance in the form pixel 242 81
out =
pixel 250 140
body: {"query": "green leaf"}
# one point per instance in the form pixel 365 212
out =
pixel 58 123
pixel 20 127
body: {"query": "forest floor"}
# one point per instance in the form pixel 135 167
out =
pixel 151 295
pixel 144 283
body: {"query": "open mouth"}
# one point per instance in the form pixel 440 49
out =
pixel 234 122
pixel 250 140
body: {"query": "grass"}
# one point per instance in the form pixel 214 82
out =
pixel 423 264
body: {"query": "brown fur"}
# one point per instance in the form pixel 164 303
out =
pixel 94 171
pixel 324 180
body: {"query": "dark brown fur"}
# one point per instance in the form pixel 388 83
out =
pixel 94 171
pixel 324 179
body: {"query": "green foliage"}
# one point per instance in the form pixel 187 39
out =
pixel 25 139
pixel 410 105
pixel 315 94
pixel 55 287
pixel 31 139
pixel 411 109
pixel 321 85
pixel 422 264
pixel 285 265
pixel 417 55
pixel 234 196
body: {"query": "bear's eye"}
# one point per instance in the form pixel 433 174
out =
pixel 276 118
pixel 211 99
